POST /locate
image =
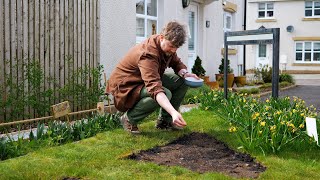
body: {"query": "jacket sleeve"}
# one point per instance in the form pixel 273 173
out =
pixel 176 64
pixel 149 66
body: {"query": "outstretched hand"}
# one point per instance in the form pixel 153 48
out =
pixel 191 75
pixel 178 120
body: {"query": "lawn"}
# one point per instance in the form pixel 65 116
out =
pixel 102 156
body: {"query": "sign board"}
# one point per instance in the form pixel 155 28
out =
pixel 61 109
pixel 100 108
pixel 260 36
pixel 312 128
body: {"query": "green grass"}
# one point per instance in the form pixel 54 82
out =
pixel 102 156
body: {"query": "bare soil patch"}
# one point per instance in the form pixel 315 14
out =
pixel 202 153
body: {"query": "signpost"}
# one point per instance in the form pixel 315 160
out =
pixel 260 36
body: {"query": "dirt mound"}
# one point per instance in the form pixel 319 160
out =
pixel 202 153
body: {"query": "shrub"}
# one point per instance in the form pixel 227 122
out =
pixel 221 67
pixel 197 67
pixel 264 73
pixel 286 77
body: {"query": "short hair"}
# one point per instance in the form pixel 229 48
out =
pixel 175 33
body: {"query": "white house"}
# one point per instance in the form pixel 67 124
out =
pixel 124 23
pixel 299 23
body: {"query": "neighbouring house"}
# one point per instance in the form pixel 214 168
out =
pixel 124 23
pixel 299 23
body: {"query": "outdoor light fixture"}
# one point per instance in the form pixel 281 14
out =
pixel 290 29
pixel 185 3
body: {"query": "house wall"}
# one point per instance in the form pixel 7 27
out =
pixel 285 13
pixel 117 31
pixel 118 36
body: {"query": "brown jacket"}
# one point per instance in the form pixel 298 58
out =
pixel 143 65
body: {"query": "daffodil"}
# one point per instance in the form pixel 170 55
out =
pixel 267 100
pixel 301 126
pixel 272 128
pixel 232 129
pixel 263 123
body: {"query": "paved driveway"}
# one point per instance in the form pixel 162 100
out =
pixel 310 94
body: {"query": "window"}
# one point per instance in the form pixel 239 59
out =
pixel 146 19
pixel 265 10
pixel 262 51
pixel 240 69
pixel 227 21
pixel 191 40
pixel 312 8
pixel 308 51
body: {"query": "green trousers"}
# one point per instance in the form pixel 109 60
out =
pixel 175 90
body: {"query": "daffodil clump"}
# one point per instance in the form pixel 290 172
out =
pixel 268 125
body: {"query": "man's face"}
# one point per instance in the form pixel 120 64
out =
pixel 167 46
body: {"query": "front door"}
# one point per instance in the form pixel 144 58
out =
pixel 262 55
pixel 192 40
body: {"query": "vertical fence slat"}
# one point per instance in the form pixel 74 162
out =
pixel 25 50
pixel 62 43
pixel 31 30
pixel 51 44
pixel 94 19
pixel 66 42
pixel 98 32
pixel 36 30
pixel 2 58
pixel 91 35
pixel 57 47
pixel 79 42
pixel 83 34
pixel 49 32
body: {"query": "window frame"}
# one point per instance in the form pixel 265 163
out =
pixel 265 10
pixel 225 15
pixel 312 51
pixel 146 17
pixel 312 10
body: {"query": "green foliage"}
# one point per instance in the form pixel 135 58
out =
pixel 249 91
pixel 263 72
pixel 193 93
pixel 197 67
pixel 269 126
pixel 284 77
pixel 35 91
pixel 221 67
pixel 57 133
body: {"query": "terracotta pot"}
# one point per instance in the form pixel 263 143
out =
pixel 240 81
pixel 219 78
pixel 213 85
pixel 205 79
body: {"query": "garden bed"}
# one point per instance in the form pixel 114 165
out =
pixel 202 153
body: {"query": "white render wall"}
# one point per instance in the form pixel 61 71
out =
pixel 118 31
pixel 286 13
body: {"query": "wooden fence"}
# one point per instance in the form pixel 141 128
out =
pixel 48 32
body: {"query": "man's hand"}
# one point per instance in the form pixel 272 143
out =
pixel 178 120
pixel 191 75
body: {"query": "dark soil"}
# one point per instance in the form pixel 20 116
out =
pixel 202 153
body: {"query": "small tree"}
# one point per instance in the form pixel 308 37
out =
pixel 197 67
pixel 221 67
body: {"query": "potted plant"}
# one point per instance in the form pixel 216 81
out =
pixel 240 81
pixel 230 75
pixel 199 70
